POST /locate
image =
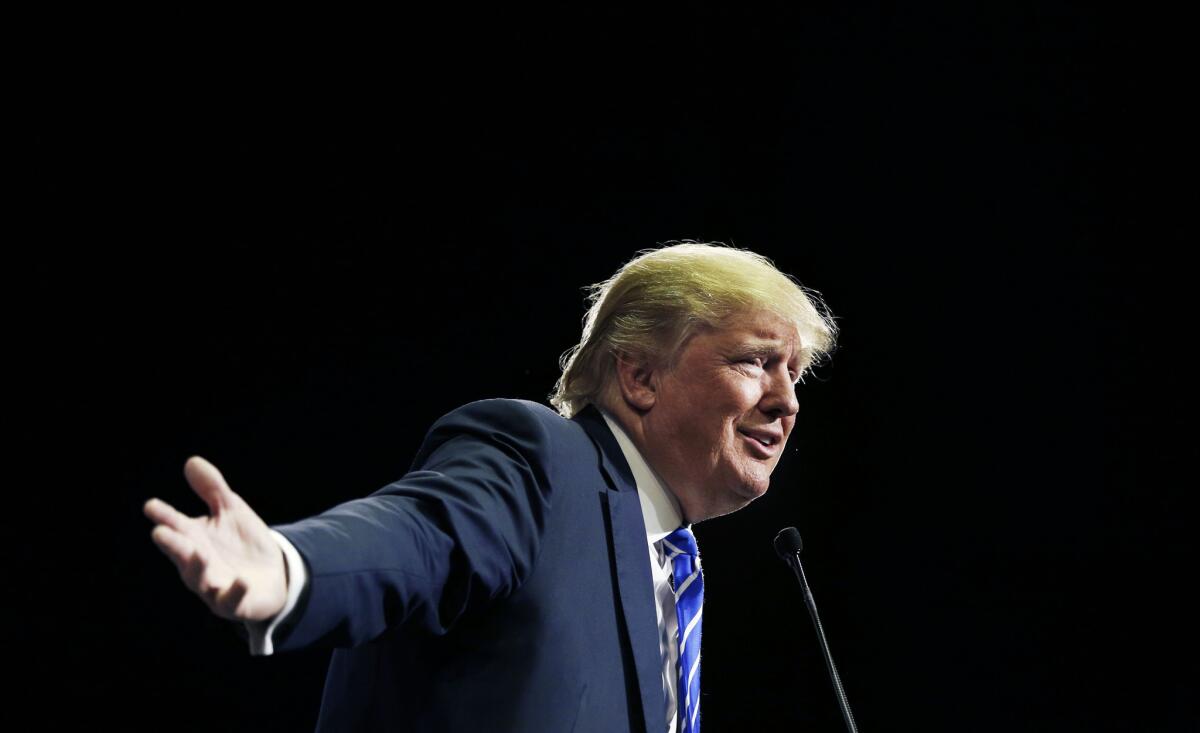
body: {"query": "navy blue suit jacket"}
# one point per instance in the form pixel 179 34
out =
pixel 503 584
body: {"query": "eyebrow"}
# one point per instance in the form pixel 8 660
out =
pixel 758 348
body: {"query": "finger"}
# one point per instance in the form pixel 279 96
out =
pixel 192 570
pixel 160 512
pixel 208 483
pixel 204 580
pixel 173 544
pixel 227 602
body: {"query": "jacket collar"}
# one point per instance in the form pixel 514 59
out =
pixel 660 508
pixel 630 553
pixel 612 460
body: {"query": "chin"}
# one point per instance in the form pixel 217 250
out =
pixel 741 500
pixel 746 494
pixel 755 487
pixel 756 493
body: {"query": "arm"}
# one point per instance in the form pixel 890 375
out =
pixel 459 530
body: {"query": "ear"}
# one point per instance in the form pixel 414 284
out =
pixel 638 382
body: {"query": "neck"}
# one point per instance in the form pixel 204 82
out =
pixel 631 422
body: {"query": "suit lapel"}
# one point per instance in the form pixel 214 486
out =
pixel 632 559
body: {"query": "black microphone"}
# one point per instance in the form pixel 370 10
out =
pixel 788 545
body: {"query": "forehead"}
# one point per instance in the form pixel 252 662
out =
pixel 760 324
pixel 759 330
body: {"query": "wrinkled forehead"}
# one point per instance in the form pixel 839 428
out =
pixel 759 325
pixel 761 334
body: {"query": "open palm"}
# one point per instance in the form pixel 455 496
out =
pixel 228 558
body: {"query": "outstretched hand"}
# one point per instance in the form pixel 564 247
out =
pixel 228 558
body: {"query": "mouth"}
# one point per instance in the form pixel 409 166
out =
pixel 763 443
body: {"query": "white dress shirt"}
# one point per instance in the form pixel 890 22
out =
pixel 662 516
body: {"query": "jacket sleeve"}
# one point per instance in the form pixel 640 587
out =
pixel 462 528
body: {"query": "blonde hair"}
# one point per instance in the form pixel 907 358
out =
pixel 661 297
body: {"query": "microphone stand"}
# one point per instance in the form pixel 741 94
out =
pixel 788 545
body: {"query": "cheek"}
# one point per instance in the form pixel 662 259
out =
pixel 749 394
pixel 734 395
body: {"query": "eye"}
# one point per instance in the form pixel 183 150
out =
pixel 754 361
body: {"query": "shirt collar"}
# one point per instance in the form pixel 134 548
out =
pixel 660 508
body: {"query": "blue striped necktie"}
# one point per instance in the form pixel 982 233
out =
pixel 689 606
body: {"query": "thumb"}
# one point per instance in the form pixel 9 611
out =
pixel 208 483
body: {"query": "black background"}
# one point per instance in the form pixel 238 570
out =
pixel 289 247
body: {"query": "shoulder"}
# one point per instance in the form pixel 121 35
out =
pixel 504 415
pixel 528 427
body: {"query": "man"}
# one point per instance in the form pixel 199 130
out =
pixel 535 571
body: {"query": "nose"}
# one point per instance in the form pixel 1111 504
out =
pixel 779 398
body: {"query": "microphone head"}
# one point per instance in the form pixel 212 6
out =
pixel 788 543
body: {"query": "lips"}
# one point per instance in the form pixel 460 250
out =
pixel 763 441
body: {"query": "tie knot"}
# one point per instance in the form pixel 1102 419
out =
pixel 681 542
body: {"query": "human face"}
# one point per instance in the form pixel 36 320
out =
pixel 723 413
